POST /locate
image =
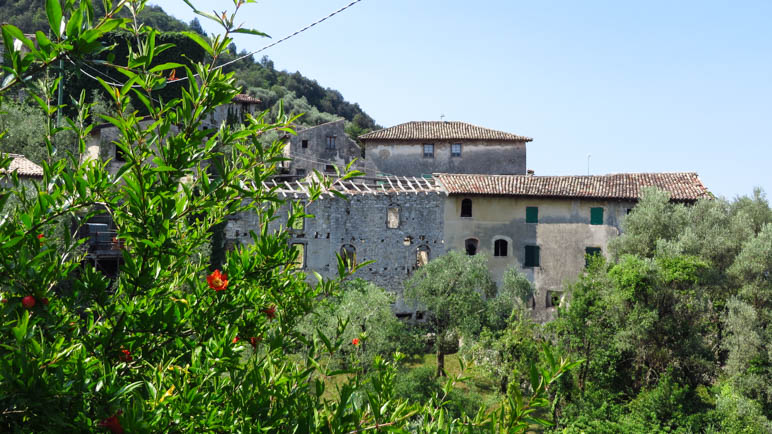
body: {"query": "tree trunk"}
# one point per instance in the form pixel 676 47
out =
pixel 440 363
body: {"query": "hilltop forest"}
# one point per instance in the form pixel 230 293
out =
pixel 256 77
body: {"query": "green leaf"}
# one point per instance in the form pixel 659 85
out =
pixel 165 66
pixel 54 13
pixel 198 39
pixel 250 32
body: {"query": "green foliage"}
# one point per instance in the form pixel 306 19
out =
pixel 515 291
pixel 453 288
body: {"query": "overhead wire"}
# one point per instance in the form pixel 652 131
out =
pixel 252 53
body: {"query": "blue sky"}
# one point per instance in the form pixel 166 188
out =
pixel 646 87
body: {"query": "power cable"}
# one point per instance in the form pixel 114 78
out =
pixel 297 32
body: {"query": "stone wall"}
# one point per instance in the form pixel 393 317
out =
pixel 407 158
pixel 309 150
pixel 362 223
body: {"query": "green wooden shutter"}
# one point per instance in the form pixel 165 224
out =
pixel 531 256
pixel 596 216
pixel 532 214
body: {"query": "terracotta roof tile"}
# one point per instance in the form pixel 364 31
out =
pixel 623 186
pixel 244 98
pixel 24 167
pixel 442 130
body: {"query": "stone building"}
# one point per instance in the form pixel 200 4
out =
pixel 543 226
pixel 322 148
pixel 546 225
pixel 397 222
pixel 423 148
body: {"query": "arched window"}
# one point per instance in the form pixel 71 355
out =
pixel 471 246
pixel 500 247
pixel 349 255
pixel 466 208
pixel 422 256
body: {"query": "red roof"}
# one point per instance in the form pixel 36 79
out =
pixel 244 98
pixel 684 186
pixel 442 130
pixel 24 167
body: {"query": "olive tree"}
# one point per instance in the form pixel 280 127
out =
pixel 454 289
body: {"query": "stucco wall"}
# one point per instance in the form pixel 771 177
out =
pixel 361 222
pixel 406 158
pixel 562 233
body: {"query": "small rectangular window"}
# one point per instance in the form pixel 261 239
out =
pixel 304 144
pixel 589 252
pixel 299 224
pixel 455 150
pixel 532 214
pixel 330 142
pixel 596 216
pixel 500 248
pixel 428 150
pixel 119 155
pixel 300 261
pixel 300 172
pixel 554 298
pixel 392 218
pixel 329 168
pixel 531 256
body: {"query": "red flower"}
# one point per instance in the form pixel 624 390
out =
pixel 217 281
pixel 236 339
pixel 125 356
pixel 28 302
pixel 254 341
pixel 355 342
pixel 270 311
pixel 40 236
pixel 5 300
pixel 44 300
pixel 113 424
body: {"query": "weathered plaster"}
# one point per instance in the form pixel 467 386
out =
pixel 406 158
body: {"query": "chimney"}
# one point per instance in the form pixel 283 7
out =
pixel 530 172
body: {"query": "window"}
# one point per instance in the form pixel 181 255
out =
pixel 329 168
pixel 392 217
pixel 428 150
pixel 119 154
pixel 304 144
pixel 300 172
pixel 349 255
pixel 330 142
pixel 531 256
pixel 455 150
pixel 500 248
pixel 299 223
pixel 589 252
pixel 471 246
pixel 554 298
pixel 300 261
pixel 596 216
pixel 532 214
pixel 466 208
pixel 422 256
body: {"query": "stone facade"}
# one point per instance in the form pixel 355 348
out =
pixel 397 230
pixel 322 148
pixel 423 148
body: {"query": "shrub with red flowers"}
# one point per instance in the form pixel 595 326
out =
pixel 217 281
pixel 65 368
